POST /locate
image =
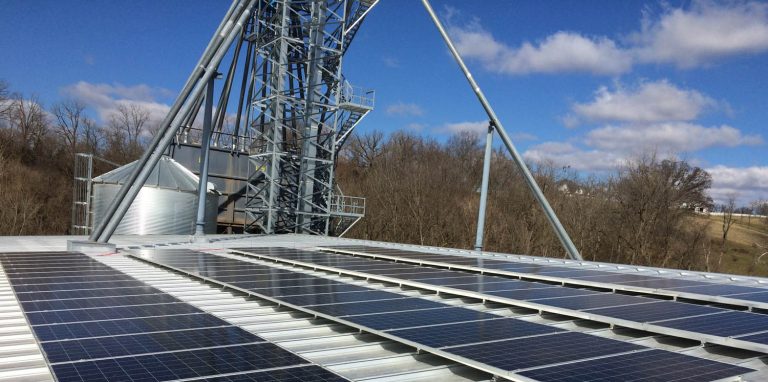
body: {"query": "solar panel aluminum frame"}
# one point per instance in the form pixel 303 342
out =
pixel 564 281
pixel 362 328
pixel 650 327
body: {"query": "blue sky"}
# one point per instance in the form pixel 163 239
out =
pixel 585 84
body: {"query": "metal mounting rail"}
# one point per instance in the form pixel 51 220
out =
pixel 562 280
pixel 648 327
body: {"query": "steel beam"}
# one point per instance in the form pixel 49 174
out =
pixel 565 239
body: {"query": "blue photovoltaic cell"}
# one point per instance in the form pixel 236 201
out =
pixel 613 278
pixel 656 311
pixel 130 326
pixel 109 313
pixel 659 283
pixel 535 294
pixel 719 290
pixel 473 332
pixel 76 286
pixel 178 365
pixel 87 293
pixel 356 308
pixel 334 298
pixel 761 338
pixel 646 366
pixel 499 286
pixel 292 374
pixel 596 301
pixel 758 297
pixel 98 302
pixel 530 352
pixel 385 321
pixel 726 324
pixel 118 346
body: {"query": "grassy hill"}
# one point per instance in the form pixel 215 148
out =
pixel 742 247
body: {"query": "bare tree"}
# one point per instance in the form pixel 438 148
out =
pixel 127 127
pixel 70 121
pixel 727 209
pixel 365 149
pixel 27 118
pixel 4 97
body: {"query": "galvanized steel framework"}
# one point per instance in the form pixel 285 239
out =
pixel 294 109
pixel 300 108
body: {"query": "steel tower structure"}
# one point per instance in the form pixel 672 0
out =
pixel 302 109
pixel 294 110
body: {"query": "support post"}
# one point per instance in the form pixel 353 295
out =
pixel 565 240
pixel 205 143
pixel 484 188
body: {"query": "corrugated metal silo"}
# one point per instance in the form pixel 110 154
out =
pixel 166 205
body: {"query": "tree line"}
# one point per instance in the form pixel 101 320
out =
pixel 421 191
pixel 37 150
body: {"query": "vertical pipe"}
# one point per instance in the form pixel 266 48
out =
pixel 205 143
pixel 484 188
pixel 565 240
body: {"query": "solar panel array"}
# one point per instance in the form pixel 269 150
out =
pixel 500 345
pixel 94 323
pixel 691 289
pixel 704 323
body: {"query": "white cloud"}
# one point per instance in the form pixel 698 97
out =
pixel 686 37
pixel 667 137
pixel 479 127
pixel 567 154
pixel 706 31
pixel 650 102
pixel 106 99
pixel 560 52
pixel 405 109
pixel 746 183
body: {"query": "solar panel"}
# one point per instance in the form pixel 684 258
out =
pixel 505 355
pixel 334 298
pixel 690 289
pixel 178 365
pixel 158 342
pixel 472 332
pixel 597 301
pixel 646 366
pixel 726 324
pixel 549 349
pixel 293 374
pixel 381 306
pixel 123 327
pixel 92 330
pixel 631 311
pixel 542 293
pixel 657 311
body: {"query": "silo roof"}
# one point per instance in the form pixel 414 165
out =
pixel 167 174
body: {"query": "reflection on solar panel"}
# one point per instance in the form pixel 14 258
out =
pixel 630 311
pixel 457 333
pixel 690 289
pixel 89 331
